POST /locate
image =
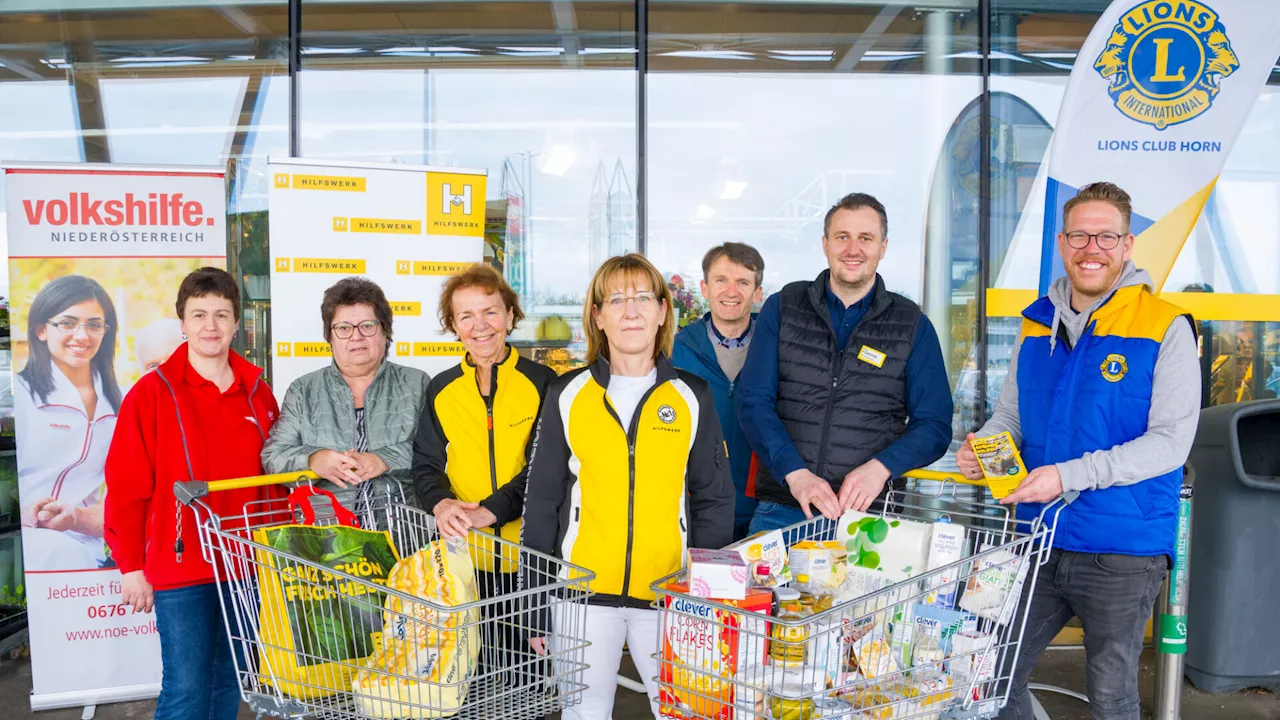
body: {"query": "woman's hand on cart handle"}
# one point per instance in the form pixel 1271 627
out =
pixel 967 459
pixel 539 645
pixel 339 468
pixel 137 592
pixel 453 518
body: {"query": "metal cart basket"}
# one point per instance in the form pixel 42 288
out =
pixel 518 589
pixel 897 651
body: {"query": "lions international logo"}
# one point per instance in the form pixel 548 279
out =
pixel 667 414
pixel 1114 367
pixel 1166 60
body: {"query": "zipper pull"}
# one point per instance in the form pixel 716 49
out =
pixel 177 548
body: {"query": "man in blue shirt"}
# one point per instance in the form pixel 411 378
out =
pixel 844 385
pixel 715 347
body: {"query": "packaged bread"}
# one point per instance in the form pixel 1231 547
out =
pixel 428 654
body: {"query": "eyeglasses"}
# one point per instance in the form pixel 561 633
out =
pixel 69 326
pixel 643 300
pixel 1080 240
pixel 344 331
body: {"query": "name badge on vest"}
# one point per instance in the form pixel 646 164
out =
pixel 871 356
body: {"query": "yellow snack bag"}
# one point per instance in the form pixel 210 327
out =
pixel 427 656
pixel 1001 463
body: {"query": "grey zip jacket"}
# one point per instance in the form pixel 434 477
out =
pixel 1175 400
pixel 319 413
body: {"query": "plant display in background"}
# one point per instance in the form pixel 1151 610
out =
pixel 689 304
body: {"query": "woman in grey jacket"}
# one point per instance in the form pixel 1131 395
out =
pixel 354 421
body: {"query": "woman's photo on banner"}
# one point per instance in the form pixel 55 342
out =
pixel 89 330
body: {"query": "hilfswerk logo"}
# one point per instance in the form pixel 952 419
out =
pixel 452 200
pixel 1166 60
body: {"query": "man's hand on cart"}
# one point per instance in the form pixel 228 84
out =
pixel 137 592
pixel 1039 486
pixel 809 489
pixel 539 645
pixel 863 485
pixel 339 468
pixel 453 517
pixel 967 459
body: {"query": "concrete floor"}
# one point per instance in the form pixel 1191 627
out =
pixel 1064 668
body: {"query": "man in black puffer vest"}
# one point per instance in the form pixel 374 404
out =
pixel 844 385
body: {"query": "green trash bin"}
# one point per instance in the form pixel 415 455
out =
pixel 1233 639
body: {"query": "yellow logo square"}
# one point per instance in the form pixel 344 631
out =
pixel 282 264
pixel 284 349
pixel 282 180
pixel 403 349
pixel 339 224
pixel 455 204
pixel 404 267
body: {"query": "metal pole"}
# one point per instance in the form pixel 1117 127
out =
pixel 1171 628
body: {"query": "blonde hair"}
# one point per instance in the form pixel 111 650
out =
pixel 633 269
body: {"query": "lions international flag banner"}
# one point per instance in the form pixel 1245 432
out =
pixel 1156 99
pixel 405 227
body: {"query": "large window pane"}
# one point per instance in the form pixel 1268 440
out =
pixel 763 115
pixel 542 95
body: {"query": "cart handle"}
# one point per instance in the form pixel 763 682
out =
pixel 939 476
pixel 189 491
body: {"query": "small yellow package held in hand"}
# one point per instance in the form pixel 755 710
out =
pixel 1001 463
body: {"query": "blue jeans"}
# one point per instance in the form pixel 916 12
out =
pixel 198 678
pixel 1113 596
pixel 771 516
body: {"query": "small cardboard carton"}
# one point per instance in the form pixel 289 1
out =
pixel 719 574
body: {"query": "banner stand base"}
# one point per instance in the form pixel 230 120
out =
pixel 89 699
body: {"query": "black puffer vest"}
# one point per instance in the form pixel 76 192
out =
pixel 840 410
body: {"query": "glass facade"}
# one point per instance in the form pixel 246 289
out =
pixel 664 126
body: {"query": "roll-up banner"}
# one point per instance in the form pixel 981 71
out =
pixel 1156 99
pixel 96 255
pixel 407 228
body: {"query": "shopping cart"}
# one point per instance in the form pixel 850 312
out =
pixel 884 654
pixel 511 680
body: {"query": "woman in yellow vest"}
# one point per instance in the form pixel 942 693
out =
pixel 628 471
pixel 474 434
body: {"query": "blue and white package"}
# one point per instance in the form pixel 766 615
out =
pixel 946 546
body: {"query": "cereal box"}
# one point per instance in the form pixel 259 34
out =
pixel 703 650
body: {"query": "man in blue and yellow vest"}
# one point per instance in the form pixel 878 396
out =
pixel 1103 398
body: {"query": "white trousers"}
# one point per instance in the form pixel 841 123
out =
pixel 607 628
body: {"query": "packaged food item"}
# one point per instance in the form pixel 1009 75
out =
pixel 898 548
pixel 427 655
pixel 995 578
pixel 875 655
pixel 818 566
pixel 930 694
pixel 973 660
pixel 703 650
pixel 767 552
pixel 877 703
pixel 928 630
pixel 719 574
pixel 825 708
pixel 787 641
pixel 946 546
pixel 792 692
pixel 1001 463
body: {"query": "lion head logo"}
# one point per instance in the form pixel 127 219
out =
pixel 1165 61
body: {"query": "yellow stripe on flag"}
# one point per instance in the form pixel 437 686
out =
pixel 1156 249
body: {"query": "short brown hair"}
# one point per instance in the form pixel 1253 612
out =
pixel 857 201
pixel 1105 192
pixel 633 267
pixel 205 282
pixel 487 279
pixel 355 291
pixel 739 254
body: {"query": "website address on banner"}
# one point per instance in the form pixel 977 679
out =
pixel 111 633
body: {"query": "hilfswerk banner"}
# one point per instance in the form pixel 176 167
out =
pixel 1156 99
pixel 406 228
pixel 96 255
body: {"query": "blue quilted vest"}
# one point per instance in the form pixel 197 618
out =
pixel 1095 396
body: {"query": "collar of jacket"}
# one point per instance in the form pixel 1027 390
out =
pixel 247 373
pixel 506 363
pixel 818 298
pixel 65 394
pixel 1042 310
pixel 694 336
pixel 601 372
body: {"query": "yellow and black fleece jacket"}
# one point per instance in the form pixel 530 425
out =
pixel 626 503
pixel 474 448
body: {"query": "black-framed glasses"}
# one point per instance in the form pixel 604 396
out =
pixel 69 325
pixel 344 331
pixel 1079 239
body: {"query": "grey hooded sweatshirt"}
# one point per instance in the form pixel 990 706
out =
pixel 1175 400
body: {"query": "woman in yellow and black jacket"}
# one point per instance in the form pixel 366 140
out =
pixel 474 434
pixel 629 469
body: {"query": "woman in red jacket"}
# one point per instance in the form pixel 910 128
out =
pixel 202 415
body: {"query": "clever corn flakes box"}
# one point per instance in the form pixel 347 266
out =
pixel 703 649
